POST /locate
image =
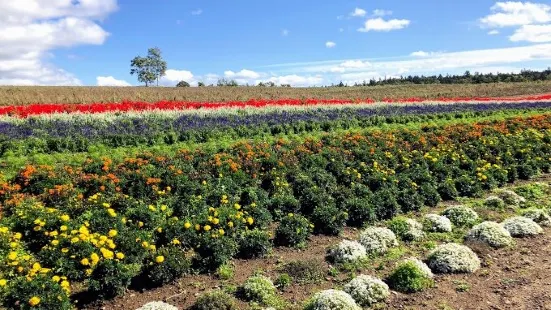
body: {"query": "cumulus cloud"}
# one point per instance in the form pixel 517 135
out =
pixel 511 13
pixel 243 74
pixel 380 24
pixel 197 12
pixel 173 75
pixel 532 33
pixel 381 13
pixel 330 44
pixel 30 29
pixel 424 54
pixel 110 81
pixel 358 12
pixel 493 32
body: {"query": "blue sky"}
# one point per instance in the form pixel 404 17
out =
pixel 298 42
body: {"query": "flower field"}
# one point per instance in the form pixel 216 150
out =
pixel 96 198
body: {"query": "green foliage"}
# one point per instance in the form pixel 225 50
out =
pixel 149 68
pixel 283 281
pixel 254 243
pixel 39 293
pixel 215 300
pixel 293 231
pixel 304 272
pixel 175 264
pixel 182 84
pixel 214 252
pixel 328 220
pixel 225 271
pixel 409 278
pixel 111 278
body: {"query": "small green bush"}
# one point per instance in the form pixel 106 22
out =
pixel 254 243
pixel 293 231
pixel 304 272
pixel 215 300
pixel 328 220
pixel 283 281
pixel 225 271
pixel 410 276
pixel 175 264
pixel 111 278
pixel 41 289
pixel 213 252
pixel 406 229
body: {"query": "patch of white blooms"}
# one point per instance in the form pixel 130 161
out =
pixel 367 290
pixel 332 300
pixel 490 233
pixel 348 252
pixel 461 215
pixel 494 202
pixel 437 223
pixel 258 288
pixel 539 216
pixel 511 198
pixel 520 226
pixel 157 305
pixel 453 258
pixel 414 231
pixel 420 265
pixel 378 240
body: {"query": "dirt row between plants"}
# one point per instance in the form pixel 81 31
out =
pixel 514 278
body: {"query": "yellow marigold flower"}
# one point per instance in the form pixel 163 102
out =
pixel 106 205
pixel 215 221
pixel 13 245
pixel 163 207
pixel 3 230
pixel 207 227
pixel 85 262
pixel 107 254
pixel 250 220
pixel 145 244
pixel 3 282
pixel 119 255
pixel 88 271
pixel 152 247
pixel 159 259
pixel 36 266
pixel 187 225
pixel 123 220
pixel 113 233
pixel 175 241
pixel 237 206
pixel 140 224
pixel 75 240
pixel 111 212
pixel 55 242
pixel 159 229
pixel 152 208
pixel 95 258
pixel 168 188
pixel 63 228
pixel 17 236
pixel 65 284
pixel 56 278
pixel 230 224
pixel 12 255
pixel 197 227
pixel 204 182
pixel 65 218
pixel 253 204
pixel 34 301
pixel 20 269
pixel 103 238
pixel 221 232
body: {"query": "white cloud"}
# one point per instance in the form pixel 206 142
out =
pixel 424 54
pixel 173 75
pixel 31 29
pixel 532 33
pixel 295 80
pixel 110 81
pixel 493 32
pixel 243 74
pixel 330 44
pixel 355 64
pixel 358 12
pixel 516 13
pixel 381 13
pixel 197 12
pixel 379 24
pixel 284 32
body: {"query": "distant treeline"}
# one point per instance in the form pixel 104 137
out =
pixel 465 78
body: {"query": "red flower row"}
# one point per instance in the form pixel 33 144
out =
pixel 125 106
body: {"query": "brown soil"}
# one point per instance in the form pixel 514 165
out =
pixel 516 278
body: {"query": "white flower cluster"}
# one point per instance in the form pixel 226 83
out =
pixel 347 251
pixel 157 305
pixel 461 215
pixel 332 300
pixel 511 198
pixel 453 258
pixel 420 265
pixel 378 240
pixel 520 226
pixel 539 216
pixel 367 290
pixel 490 233
pixel 494 202
pixel 437 223
pixel 258 288
pixel 414 231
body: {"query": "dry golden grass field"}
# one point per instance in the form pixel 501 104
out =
pixel 19 95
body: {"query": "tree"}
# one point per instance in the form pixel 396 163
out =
pixel 150 68
pixel 200 84
pixel 182 84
